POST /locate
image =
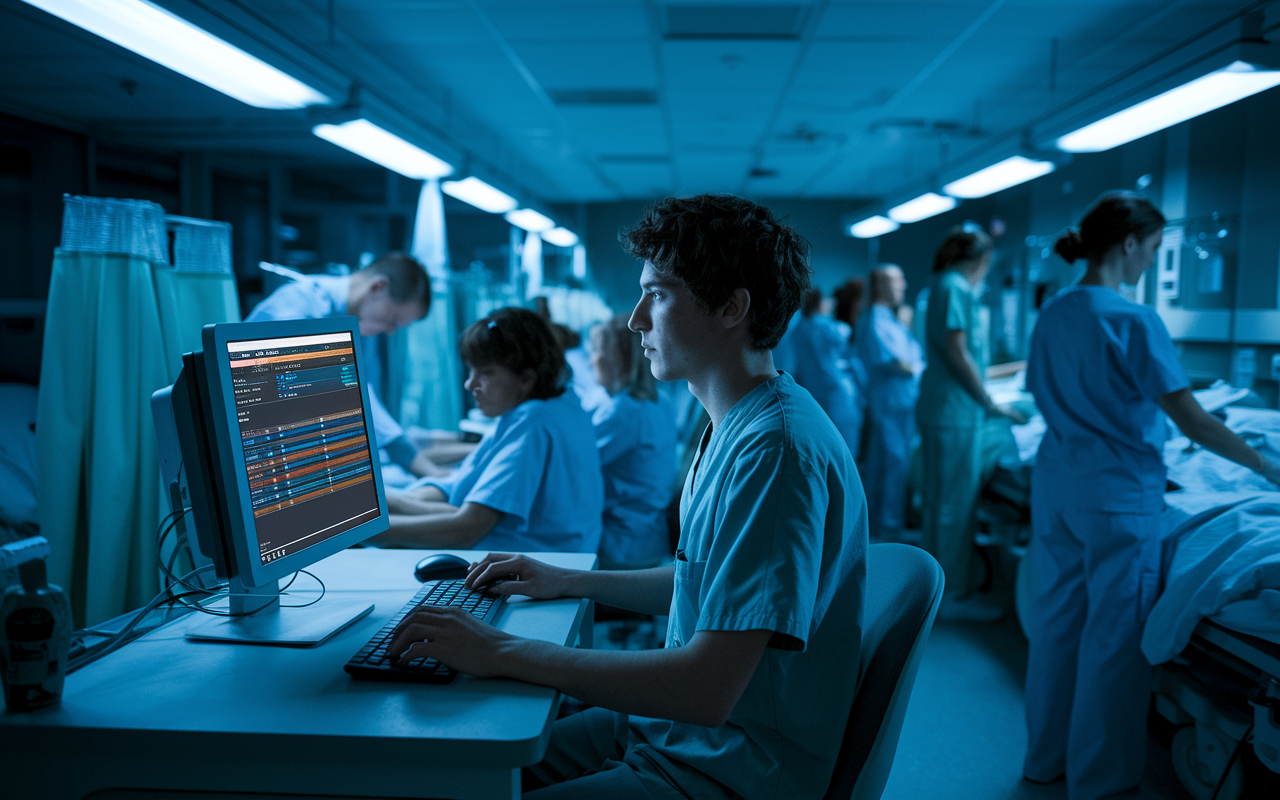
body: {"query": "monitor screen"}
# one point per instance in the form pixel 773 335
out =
pixel 307 458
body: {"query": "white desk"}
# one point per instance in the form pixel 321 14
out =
pixel 167 713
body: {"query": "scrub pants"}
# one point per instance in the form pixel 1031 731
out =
pixel 957 462
pixel 598 754
pixel 884 473
pixel 1097 575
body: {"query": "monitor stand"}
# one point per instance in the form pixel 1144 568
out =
pixel 265 621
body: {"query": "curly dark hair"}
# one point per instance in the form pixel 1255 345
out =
pixel 518 339
pixel 717 243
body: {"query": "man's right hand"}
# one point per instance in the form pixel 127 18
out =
pixel 519 575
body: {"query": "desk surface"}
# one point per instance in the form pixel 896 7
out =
pixel 293 711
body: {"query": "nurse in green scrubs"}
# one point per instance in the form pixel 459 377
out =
pixel 962 431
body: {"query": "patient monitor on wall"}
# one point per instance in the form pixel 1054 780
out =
pixel 277 452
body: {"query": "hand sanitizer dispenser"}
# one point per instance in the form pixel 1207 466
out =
pixel 35 629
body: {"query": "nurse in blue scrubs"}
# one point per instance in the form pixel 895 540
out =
pixel 962 431
pixel 636 437
pixel 893 361
pixel 1102 369
pixel 534 483
pixel 812 350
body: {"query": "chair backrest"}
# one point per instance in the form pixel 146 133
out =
pixel 904 588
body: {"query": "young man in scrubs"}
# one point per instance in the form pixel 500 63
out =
pixel 1102 369
pixel 389 294
pixel 752 692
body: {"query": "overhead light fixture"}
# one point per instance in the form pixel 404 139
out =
pixel 871 227
pixel 480 194
pixel 998 177
pixel 925 206
pixel 560 237
pixel 1221 87
pixel 367 140
pixel 530 220
pixel 167 39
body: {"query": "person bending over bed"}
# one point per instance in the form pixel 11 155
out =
pixel 534 484
pixel 1101 370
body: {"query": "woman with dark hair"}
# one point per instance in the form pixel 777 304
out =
pixel 534 482
pixel 636 437
pixel 1101 369
pixel 962 430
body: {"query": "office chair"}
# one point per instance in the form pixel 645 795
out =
pixel 904 588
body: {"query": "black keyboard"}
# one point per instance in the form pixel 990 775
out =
pixel 372 663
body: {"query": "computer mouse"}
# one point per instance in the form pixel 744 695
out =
pixel 441 567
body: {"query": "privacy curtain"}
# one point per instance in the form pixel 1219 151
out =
pixel 432 396
pixel 115 330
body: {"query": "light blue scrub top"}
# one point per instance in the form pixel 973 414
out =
pixel 773 537
pixel 882 342
pixel 953 306
pixel 1098 362
pixel 540 468
pixel 321 297
pixel 812 352
pixel 637 444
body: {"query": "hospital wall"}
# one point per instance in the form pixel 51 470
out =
pixel 1225 163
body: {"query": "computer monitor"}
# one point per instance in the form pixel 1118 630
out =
pixel 281 467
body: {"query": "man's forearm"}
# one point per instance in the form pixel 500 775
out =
pixel 647 591
pixel 685 684
pixel 446 531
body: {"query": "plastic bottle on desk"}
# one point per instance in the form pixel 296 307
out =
pixel 35 630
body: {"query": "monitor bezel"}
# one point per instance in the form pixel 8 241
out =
pixel 239 512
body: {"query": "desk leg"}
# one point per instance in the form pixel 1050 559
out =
pixel 587 631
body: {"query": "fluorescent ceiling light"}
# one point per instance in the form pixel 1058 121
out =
pixel 560 237
pixel 923 207
pixel 871 227
pixel 365 139
pixel 480 194
pixel 530 220
pixel 998 177
pixel 167 39
pixel 1222 87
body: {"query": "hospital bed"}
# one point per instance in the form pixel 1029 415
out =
pixel 1214 631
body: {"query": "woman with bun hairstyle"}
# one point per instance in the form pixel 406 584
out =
pixel 1101 369
pixel 961 434
pixel 533 483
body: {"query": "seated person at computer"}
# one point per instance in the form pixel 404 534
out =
pixel 532 484
pixel 389 294
pixel 751 695
pixel 636 436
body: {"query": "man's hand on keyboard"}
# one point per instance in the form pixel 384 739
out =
pixel 451 636
pixel 519 575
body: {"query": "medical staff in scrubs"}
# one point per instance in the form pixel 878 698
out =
pixel 750 695
pixel 534 482
pixel 962 431
pixel 892 359
pixel 387 295
pixel 1102 369
pixel 811 351
pixel 636 437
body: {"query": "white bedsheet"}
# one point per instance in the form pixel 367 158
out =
pixel 1222 554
